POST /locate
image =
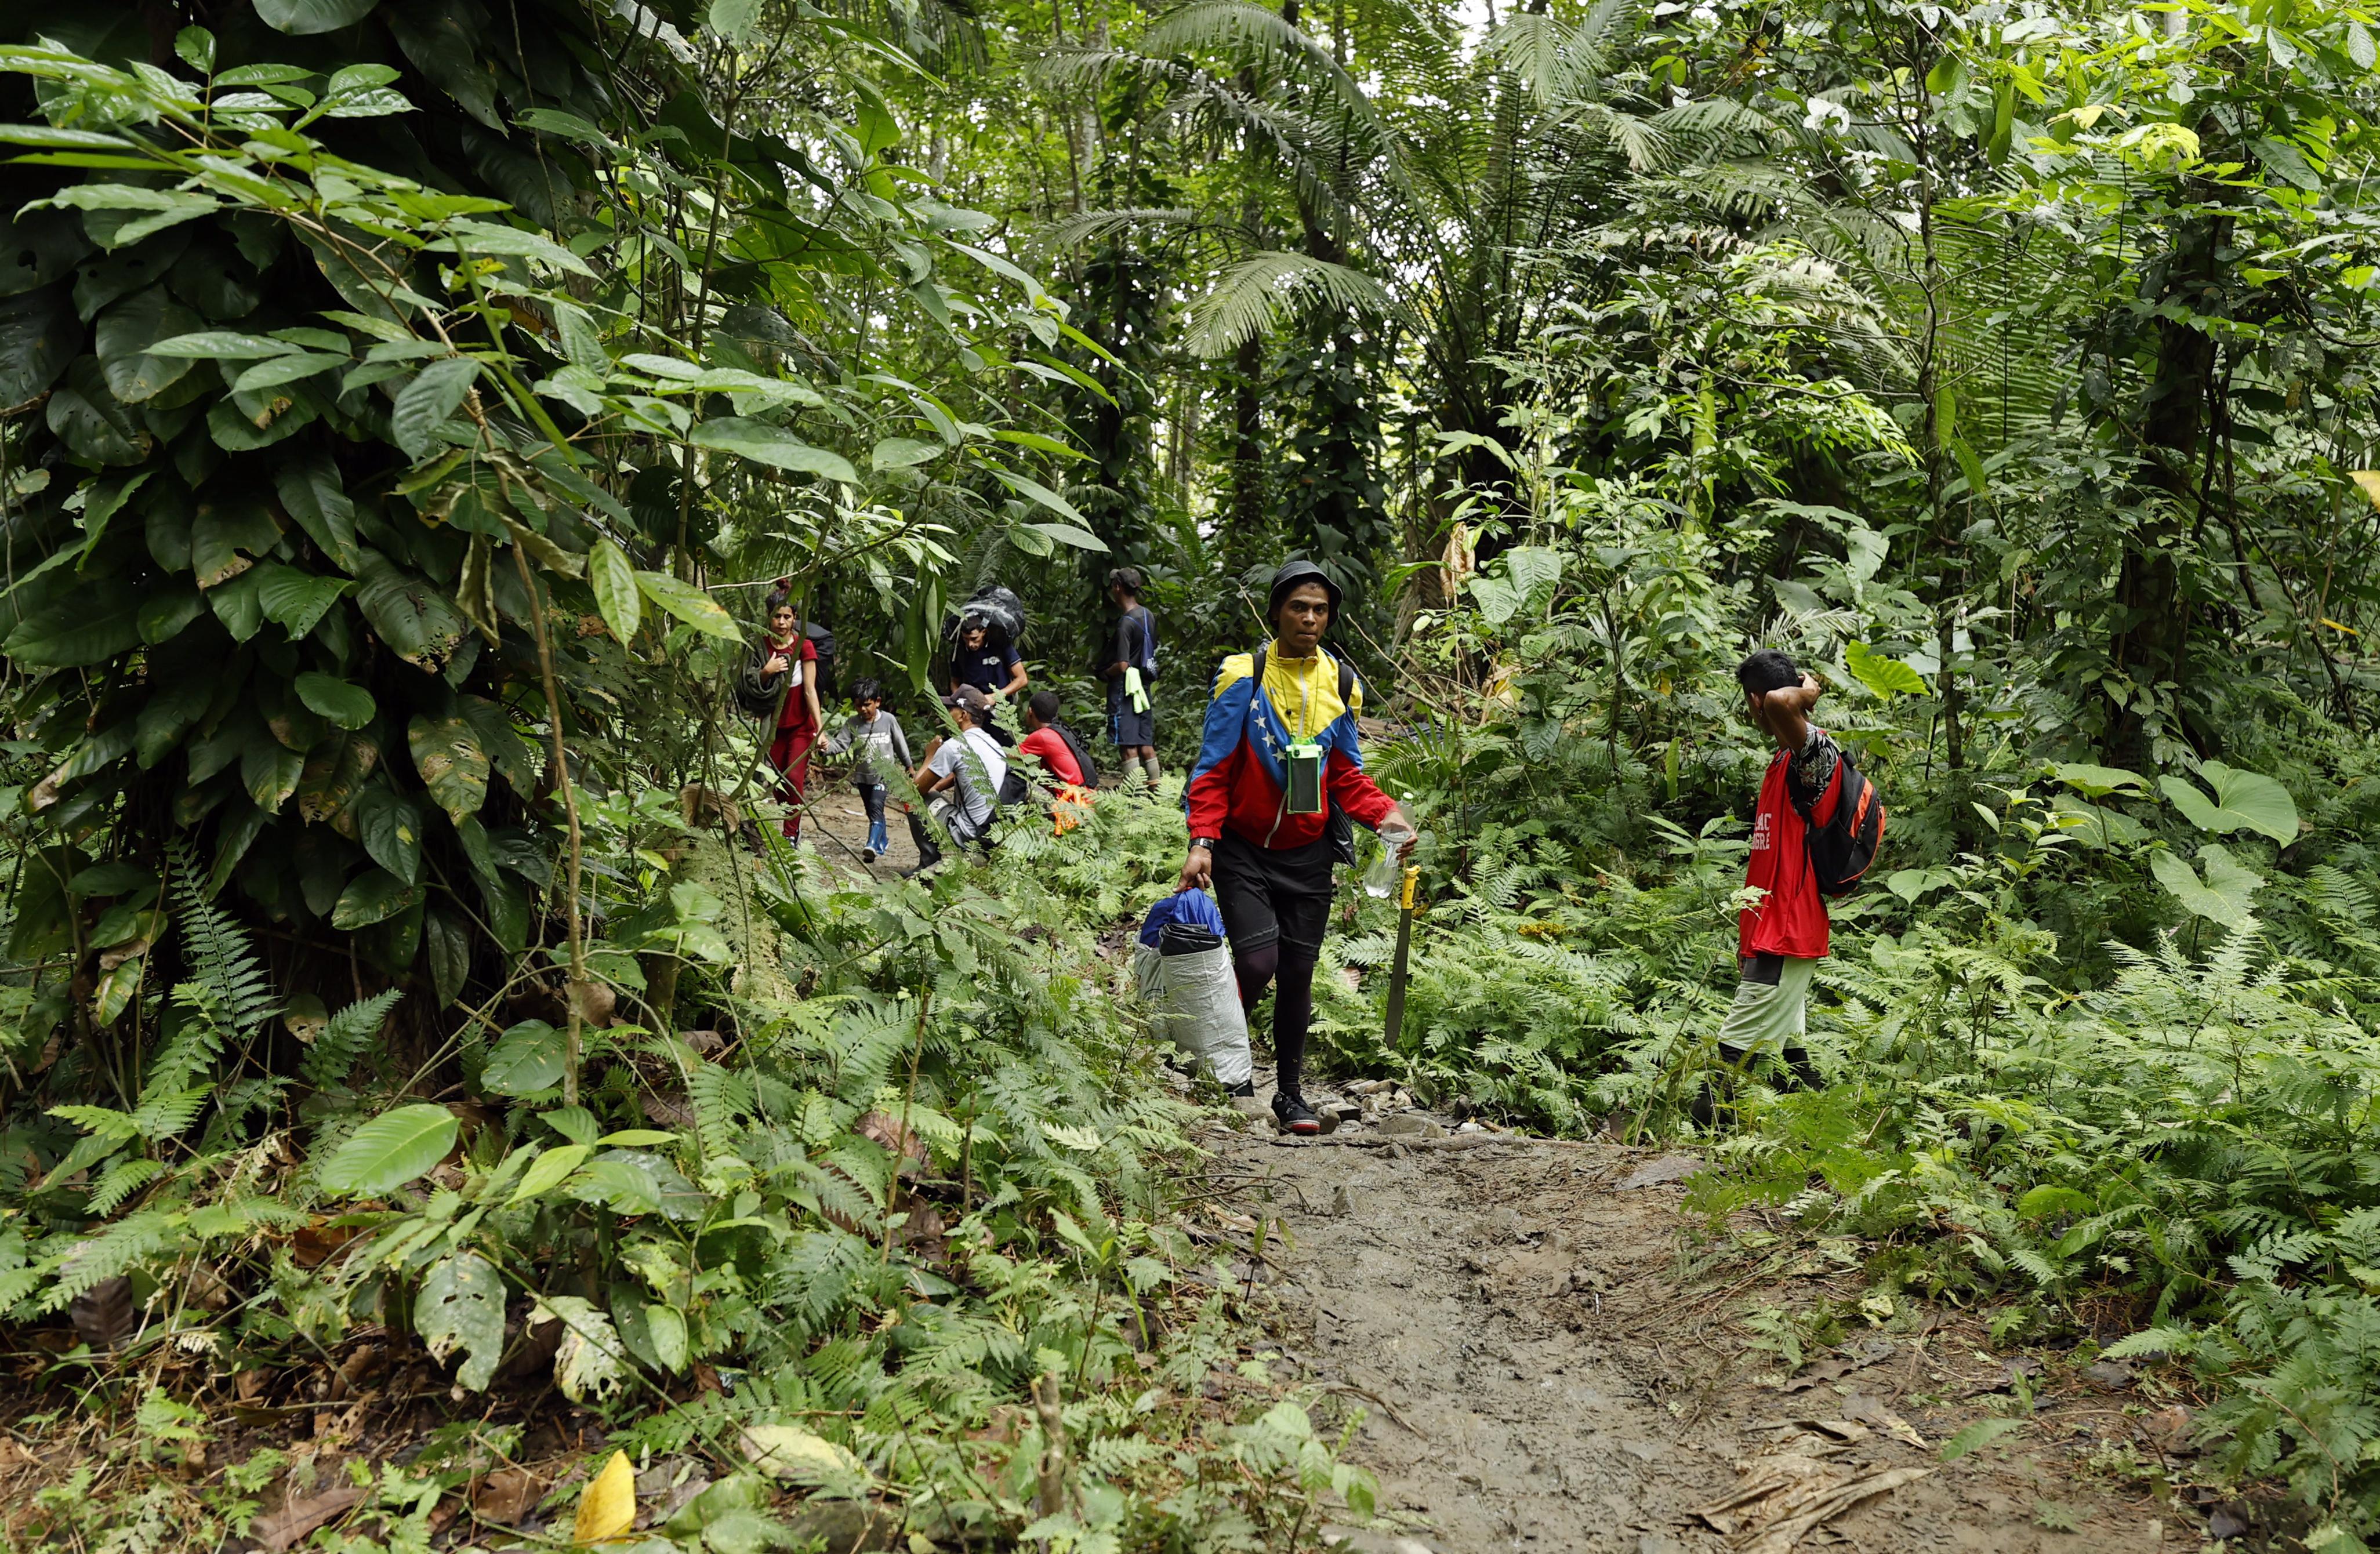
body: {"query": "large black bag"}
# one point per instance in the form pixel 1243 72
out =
pixel 1841 850
pixel 1082 756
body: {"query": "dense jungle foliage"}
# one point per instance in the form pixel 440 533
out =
pixel 404 408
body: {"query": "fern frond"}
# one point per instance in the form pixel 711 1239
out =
pixel 334 1053
pixel 220 953
pixel 120 1183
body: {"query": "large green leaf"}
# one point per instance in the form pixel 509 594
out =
pixel 92 422
pixel 1883 676
pixel 227 535
pixel 374 896
pixel 613 580
pixel 506 750
pixel 453 766
pixel 39 334
pixel 303 17
pixel 2229 893
pixel 2098 782
pixel 689 604
pixel 349 706
pixel 410 615
pixel 294 601
pixel 333 775
pixel 37 247
pixel 1067 534
pixel 270 770
pixel 425 403
pixel 2243 801
pixel 462 1307
pixel 526 1059
pixel 95 622
pixel 389 824
pixel 773 446
pixel 309 487
pixel 126 332
pixel 547 1171
pixel 392 1149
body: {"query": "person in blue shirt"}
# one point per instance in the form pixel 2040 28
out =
pixel 997 672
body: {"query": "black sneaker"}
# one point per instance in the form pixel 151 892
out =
pixel 1294 1116
pixel 1246 1088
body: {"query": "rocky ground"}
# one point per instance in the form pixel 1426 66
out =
pixel 1545 1370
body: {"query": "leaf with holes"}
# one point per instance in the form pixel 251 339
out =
pixel 392 1149
pixel 591 1362
pixel 462 1307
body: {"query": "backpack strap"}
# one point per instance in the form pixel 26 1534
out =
pixel 1346 677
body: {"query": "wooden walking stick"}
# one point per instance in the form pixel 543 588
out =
pixel 1405 943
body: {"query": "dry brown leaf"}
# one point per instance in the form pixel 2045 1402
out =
pixel 283 1527
pixel 886 1131
pixel 1819 1371
pixel 506 1497
pixel 607 1507
pixel 1862 1406
pixel 1785 1495
pixel 314 1244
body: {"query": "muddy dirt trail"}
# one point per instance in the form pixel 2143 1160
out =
pixel 1540 1377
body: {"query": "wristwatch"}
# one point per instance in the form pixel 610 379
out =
pixel 1206 841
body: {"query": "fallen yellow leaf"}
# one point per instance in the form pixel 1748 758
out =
pixel 608 1507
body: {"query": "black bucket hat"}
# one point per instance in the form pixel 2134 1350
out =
pixel 1290 577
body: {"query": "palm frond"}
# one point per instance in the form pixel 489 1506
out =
pixel 1255 296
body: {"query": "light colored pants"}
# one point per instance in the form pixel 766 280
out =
pixel 1767 1019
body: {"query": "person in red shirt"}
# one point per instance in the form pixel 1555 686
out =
pixel 1045 740
pixel 1780 939
pixel 799 718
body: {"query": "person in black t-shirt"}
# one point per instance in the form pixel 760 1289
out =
pixel 1131 722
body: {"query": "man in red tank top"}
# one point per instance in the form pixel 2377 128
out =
pixel 1781 939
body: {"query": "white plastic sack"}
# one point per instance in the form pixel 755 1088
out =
pixel 1194 1001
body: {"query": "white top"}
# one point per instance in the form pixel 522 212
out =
pixel 980 774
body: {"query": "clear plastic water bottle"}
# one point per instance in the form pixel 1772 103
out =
pixel 1381 879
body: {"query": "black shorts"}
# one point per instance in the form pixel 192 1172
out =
pixel 1269 893
pixel 1126 727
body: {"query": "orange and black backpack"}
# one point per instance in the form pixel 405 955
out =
pixel 1841 850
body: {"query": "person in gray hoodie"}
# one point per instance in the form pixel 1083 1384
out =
pixel 878 748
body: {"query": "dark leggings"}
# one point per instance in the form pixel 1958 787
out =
pixel 1292 1002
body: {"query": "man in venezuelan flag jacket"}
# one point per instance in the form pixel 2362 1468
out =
pixel 1271 869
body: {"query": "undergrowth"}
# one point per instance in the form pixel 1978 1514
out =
pixel 908 1242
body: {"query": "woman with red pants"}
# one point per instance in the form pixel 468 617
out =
pixel 798 717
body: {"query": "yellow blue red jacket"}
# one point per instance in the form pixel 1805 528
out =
pixel 1240 781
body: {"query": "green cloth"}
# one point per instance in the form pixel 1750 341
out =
pixel 1766 1019
pixel 1134 691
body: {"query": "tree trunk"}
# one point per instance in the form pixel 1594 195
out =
pixel 2153 616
